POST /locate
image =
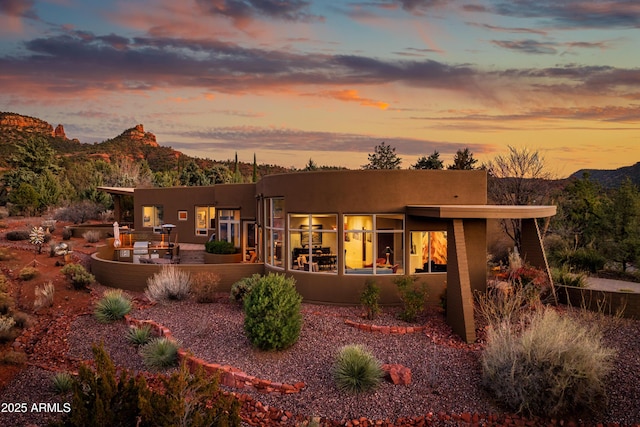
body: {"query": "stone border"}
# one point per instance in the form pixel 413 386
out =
pixel 399 330
pixel 229 376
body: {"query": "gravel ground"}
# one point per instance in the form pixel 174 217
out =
pixel 445 372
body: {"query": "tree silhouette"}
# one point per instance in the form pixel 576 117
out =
pixel 463 160
pixel 431 162
pixel 383 157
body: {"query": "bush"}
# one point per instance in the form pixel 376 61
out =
pixel 139 335
pixel 79 212
pixel 370 298
pixel 100 398
pixel 6 254
pixel 160 353
pixel 67 233
pixel 28 273
pixel 170 283
pixel 220 247
pixel 62 382
pixel 242 288
pixel 4 284
pixel 79 276
pixel 356 370
pixel 412 297
pixel 555 367
pixel 113 306
pixel 582 259
pixel 91 236
pixel 16 235
pixel 13 358
pixel 272 313
pixel 22 320
pixel 6 304
pixel 563 277
pixel 7 331
pixel 204 286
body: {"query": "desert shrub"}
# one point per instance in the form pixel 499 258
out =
pixel 241 288
pixel 22 320
pixel 6 304
pixel 79 276
pixel 91 236
pixel 43 296
pixel 4 283
pixel 49 224
pixel 160 353
pixel 272 313
pixel 67 233
pixel 170 283
pixel 16 235
pixel 562 277
pixel 113 306
pixel 62 382
pixel 220 247
pixel 79 212
pixel 581 259
pixel 12 357
pixel 27 273
pixel 139 335
pixel 6 254
pixel 369 298
pixel 555 366
pixel 7 331
pixel 413 297
pixel 204 286
pixel 502 303
pixel 356 370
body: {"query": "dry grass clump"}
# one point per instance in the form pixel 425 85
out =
pixel 547 364
pixel 170 283
pixel 43 296
pixel 91 236
pixel 204 286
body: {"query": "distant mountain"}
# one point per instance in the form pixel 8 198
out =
pixel 612 178
pixel 133 143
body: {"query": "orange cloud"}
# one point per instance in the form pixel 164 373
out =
pixel 351 95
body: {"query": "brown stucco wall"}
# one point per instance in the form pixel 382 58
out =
pixel 173 199
pixel 626 304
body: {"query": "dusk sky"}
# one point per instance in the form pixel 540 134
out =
pixel 291 80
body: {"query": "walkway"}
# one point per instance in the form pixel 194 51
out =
pixel 612 285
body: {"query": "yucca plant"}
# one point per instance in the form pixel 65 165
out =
pixel 356 370
pixel 113 306
pixel 160 353
pixel 139 335
pixel 62 382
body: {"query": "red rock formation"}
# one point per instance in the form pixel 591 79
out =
pixel 59 132
pixel 25 123
pixel 138 134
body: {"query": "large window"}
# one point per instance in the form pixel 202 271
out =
pixel 152 216
pixel 205 220
pixel 229 226
pixel 428 252
pixel 374 244
pixel 274 211
pixel 313 242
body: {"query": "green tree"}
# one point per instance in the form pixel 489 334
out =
pixel 622 225
pixel 431 162
pixel 383 157
pixel 192 175
pixel 25 198
pixel 254 175
pixel 311 165
pixel 219 174
pixel 49 189
pixel 463 160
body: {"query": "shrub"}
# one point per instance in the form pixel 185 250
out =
pixel 412 296
pixel 272 313
pixel 28 273
pixel 79 276
pixel 160 353
pixel 7 332
pixel 170 283
pixel 6 254
pixel 242 288
pixel 4 284
pixel 22 320
pixel 100 398
pixel 556 366
pixel 62 382
pixel 204 286
pixel 562 277
pixel 16 235
pixel 49 225
pixel 356 370
pixel 67 233
pixel 91 236
pixel 6 304
pixel 582 259
pixel 13 358
pixel 370 298
pixel 79 212
pixel 220 247
pixel 139 335
pixel 113 306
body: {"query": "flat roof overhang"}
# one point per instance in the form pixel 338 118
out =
pixel 123 191
pixel 481 211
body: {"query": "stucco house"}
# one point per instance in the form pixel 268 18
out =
pixel 332 230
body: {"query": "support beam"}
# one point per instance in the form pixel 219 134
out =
pixel 459 295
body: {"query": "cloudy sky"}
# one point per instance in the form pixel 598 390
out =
pixel 292 80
